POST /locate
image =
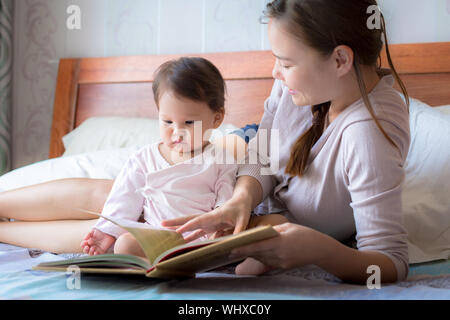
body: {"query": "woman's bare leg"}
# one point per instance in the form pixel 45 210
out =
pixel 127 244
pixel 54 236
pixel 268 219
pixel 251 266
pixel 47 221
pixel 53 200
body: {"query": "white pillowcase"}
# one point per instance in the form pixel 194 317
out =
pixel 444 109
pixel 426 191
pixel 110 133
pixel 104 164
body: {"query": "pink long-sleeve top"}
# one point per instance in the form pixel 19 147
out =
pixel 148 183
pixel 354 178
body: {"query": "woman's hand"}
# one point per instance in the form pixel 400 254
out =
pixel 232 215
pixel 295 246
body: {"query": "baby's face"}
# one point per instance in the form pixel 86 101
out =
pixel 185 125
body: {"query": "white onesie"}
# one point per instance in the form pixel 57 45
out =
pixel 148 183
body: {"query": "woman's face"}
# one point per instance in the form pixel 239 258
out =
pixel 308 75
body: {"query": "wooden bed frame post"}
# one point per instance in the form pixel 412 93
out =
pixel 64 104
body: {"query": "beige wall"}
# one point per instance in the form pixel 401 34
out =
pixel 128 27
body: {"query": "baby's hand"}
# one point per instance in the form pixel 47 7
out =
pixel 97 242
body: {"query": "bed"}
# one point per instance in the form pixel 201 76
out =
pixel 102 104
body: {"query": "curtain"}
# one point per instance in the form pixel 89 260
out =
pixel 6 24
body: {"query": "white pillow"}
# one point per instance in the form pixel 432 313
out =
pixel 426 191
pixel 444 109
pixel 110 133
pixel 104 164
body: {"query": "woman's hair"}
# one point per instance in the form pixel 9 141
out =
pixel 324 25
pixel 194 78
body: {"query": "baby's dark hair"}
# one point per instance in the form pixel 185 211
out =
pixel 193 78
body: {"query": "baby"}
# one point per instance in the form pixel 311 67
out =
pixel 180 175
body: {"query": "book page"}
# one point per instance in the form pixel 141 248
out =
pixel 152 241
pixel 211 256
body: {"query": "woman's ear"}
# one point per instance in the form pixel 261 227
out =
pixel 343 57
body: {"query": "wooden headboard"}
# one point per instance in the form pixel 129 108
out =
pixel 121 86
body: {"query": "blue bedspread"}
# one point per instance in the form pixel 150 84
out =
pixel 18 281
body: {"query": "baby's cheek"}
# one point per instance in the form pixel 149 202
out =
pixel 165 135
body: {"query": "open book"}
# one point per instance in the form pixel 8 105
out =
pixel 167 254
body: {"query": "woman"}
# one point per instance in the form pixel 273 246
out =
pixel 340 161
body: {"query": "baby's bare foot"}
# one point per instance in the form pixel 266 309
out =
pixel 252 266
pixel 97 242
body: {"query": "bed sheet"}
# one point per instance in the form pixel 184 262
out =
pixel 18 281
